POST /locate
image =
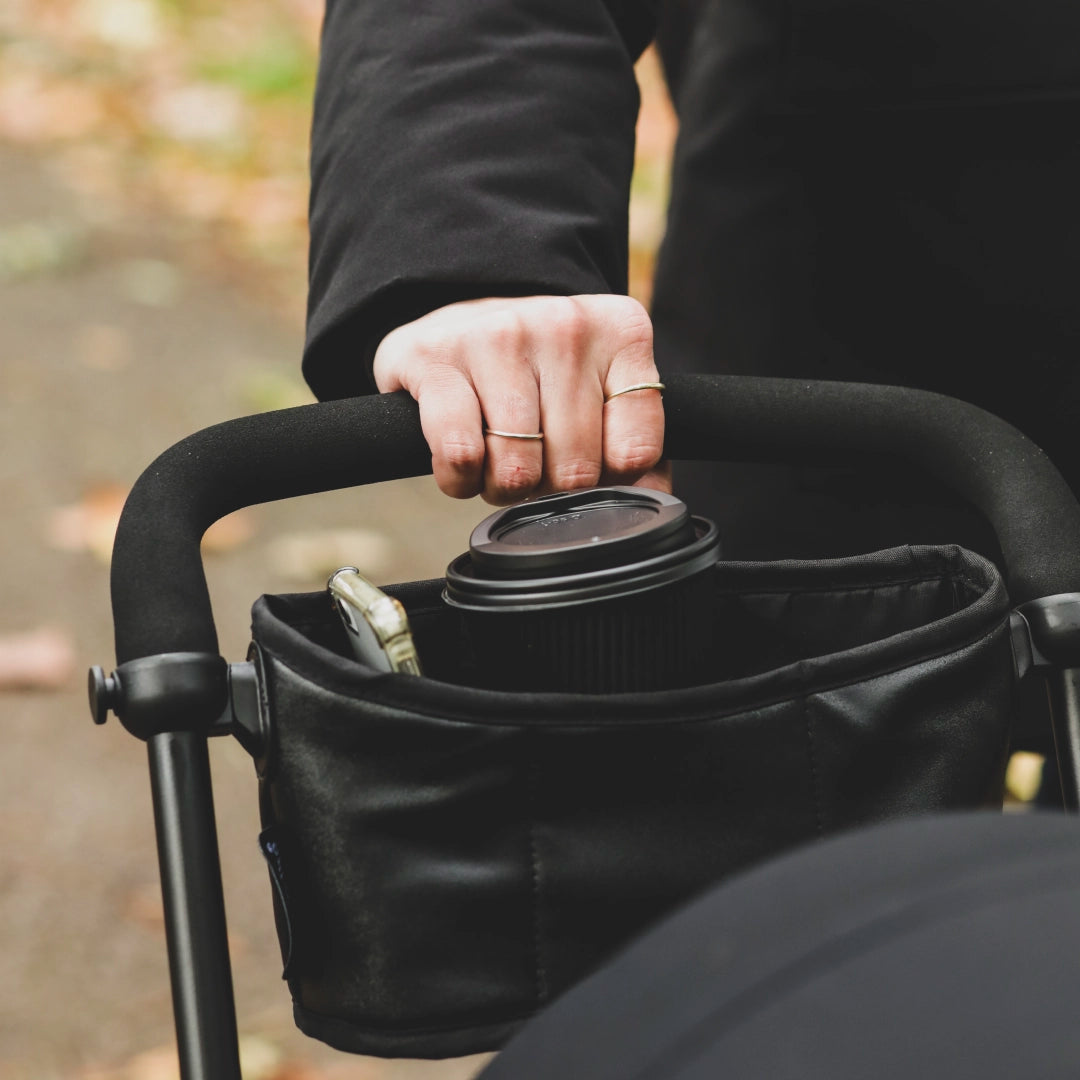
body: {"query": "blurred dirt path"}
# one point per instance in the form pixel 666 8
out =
pixel 116 339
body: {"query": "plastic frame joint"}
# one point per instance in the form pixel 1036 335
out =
pixel 174 692
pixel 1046 633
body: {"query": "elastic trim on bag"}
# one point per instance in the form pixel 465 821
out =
pixel 911 565
pixel 689 705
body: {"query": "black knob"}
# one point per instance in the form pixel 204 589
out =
pixel 104 691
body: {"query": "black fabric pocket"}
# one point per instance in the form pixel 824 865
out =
pixel 461 856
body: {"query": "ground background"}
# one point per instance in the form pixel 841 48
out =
pixel 152 263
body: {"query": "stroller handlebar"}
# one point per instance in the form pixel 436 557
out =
pixel 338 444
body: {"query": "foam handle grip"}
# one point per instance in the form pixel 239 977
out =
pixel 159 594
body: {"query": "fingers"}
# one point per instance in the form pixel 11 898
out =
pixel 522 367
pixel 568 365
pixel 452 425
pixel 506 389
pixel 408 359
pixel 633 421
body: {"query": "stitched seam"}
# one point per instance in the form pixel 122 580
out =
pixel 266 717
pixel 815 779
pixel 487 1020
pixel 540 985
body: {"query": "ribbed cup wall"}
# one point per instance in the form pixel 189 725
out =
pixel 653 640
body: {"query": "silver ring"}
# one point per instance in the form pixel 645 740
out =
pixel 636 386
pixel 512 434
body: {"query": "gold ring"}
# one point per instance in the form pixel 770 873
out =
pixel 636 386
pixel 512 434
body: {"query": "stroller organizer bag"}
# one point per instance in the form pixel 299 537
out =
pixel 611 715
pixel 450 852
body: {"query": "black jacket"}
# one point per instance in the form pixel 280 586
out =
pixel 873 189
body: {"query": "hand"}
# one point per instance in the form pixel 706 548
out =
pixel 530 365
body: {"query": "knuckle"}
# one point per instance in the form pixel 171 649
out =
pixel 636 330
pixel 429 347
pixel 503 331
pixel 634 453
pixel 575 473
pixel 430 363
pixel 568 320
pixel 437 381
pixel 514 479
pixel 633 310
pixel 461 451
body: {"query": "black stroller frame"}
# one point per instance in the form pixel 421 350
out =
pixel 172 689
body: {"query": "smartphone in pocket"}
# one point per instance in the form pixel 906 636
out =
pixel 376 624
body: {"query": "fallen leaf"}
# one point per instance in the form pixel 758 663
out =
pixel 196 192
pixel 367 1068
pixel 260 1059
pixel 161 1063
pixel 270 203
pixel 90 524
pixel 304 1070
pixel 143 905
pixel 42 659
pixel 104 347
pixel 33 110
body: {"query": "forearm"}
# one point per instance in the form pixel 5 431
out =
pixel 461 151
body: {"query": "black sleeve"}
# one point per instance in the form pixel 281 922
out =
pixel 461 150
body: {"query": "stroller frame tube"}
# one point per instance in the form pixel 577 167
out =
pixel 199 969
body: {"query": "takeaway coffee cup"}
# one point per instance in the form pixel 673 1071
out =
pixel 594 591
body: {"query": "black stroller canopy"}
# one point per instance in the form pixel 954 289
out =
pixel 941 949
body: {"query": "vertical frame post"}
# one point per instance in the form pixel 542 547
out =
pixel 199 968
pixel 1063 689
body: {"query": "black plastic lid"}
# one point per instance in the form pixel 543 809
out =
pixel 577 547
